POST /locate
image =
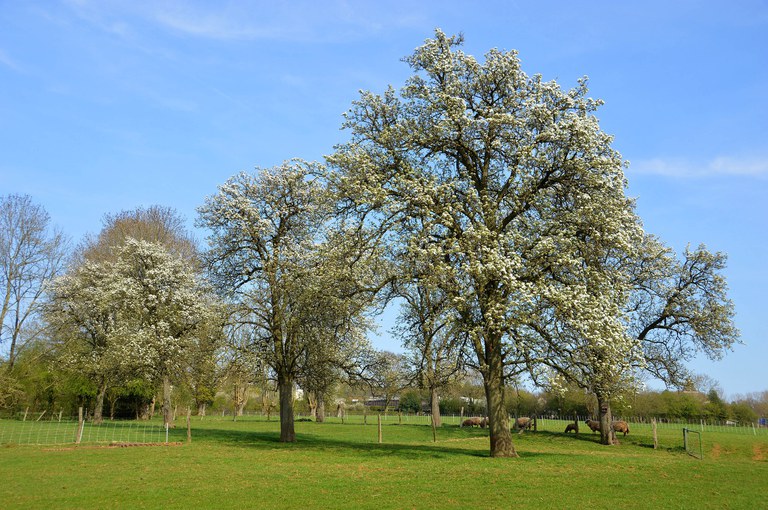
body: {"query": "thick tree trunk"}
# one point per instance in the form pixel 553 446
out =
pixel 201 409
pixel 501 437
pixel 285 388
pixel 98 412
pixel 320 410
pixel 607 436
pixel 167 402
pixel 435 404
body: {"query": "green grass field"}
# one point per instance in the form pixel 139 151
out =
pixel 332 465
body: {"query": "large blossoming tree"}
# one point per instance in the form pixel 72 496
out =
pixel 136 313
pixel 504 169
pixel 300 277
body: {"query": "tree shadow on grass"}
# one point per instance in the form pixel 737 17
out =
pixel 640 440
pixel 586 437
pixel 443 448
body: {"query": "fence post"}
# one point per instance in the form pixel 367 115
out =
pixel 379 415
pixel 189 425
pixel 655 435
pixel 80 424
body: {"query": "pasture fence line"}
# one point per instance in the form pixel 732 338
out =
pixel 52 428
pixel 72 431
pixel 550 422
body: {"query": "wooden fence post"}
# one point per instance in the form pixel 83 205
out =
pixel 189 425
pixel 379 415
pixel 655 435
pixel 80 424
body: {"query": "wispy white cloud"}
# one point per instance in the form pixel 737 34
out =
pixel 251 20
pixel 7 61
pixel 719 166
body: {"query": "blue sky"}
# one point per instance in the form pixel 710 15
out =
pixel 107 106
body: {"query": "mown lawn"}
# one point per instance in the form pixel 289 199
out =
pixel 332 465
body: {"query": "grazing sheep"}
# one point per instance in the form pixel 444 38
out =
pixel 472 422
pixel 594 425
pixel 571 427
pixel 484 422
pixel 523 423
pixel 620 426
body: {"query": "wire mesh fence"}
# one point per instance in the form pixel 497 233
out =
pixel 71 431
pixel 53 429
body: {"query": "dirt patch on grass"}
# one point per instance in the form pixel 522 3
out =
pixel 717 450
pixel 111 445
pixel 760 452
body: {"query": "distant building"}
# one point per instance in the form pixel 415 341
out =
pixel 394 403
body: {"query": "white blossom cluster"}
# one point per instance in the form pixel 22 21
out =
pixel 131 314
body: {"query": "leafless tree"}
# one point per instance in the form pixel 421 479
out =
pixel 32 253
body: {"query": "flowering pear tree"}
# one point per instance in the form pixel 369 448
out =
pixel 581 338
pixel 84 309
pixel 661 312
pixel 166 304
pixel 135 313
pixel 276 251
pixel 503 168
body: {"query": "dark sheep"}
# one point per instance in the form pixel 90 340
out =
pixel 571 427
pixel 594 425
pixel 472 422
